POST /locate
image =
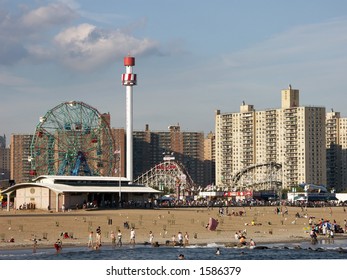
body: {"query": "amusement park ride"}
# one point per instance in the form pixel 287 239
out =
pixel 72 139
pixel 81 159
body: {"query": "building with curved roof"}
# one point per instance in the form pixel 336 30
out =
pixel 66 192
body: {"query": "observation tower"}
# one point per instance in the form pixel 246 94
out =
pixel 129 80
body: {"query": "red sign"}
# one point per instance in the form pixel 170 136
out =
pixel 243 193
pixel 166 166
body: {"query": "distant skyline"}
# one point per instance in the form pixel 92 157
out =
pixel 192 58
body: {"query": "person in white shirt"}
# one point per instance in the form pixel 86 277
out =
pixel 132 236
pixel 180 238
pixel 151 237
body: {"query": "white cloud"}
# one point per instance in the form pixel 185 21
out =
pixel 22 33
pixel 33 36
pixel 74 35
pixel 51 15
pixel 85 46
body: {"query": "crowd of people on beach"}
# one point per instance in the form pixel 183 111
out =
pixel 325 228
pixel 222 202
pixel 117 239
pixel 182 240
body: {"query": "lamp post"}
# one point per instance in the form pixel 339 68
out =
pixel 120 181
pixel 118 153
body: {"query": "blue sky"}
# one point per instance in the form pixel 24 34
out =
pixel 192 58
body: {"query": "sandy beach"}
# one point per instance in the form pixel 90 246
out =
pixel 269 227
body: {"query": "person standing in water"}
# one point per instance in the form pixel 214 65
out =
pixel 34 245
pixel 252 243
pixel 98 236
pixel 119 238
pixel 58 245
pixel 90 239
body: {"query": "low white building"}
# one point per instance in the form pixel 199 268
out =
pixel 64 192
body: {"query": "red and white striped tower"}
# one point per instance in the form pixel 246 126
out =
pixel 129 80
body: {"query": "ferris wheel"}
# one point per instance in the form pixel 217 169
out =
pixel 72 139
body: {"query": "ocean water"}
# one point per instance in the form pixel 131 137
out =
pixel 284 251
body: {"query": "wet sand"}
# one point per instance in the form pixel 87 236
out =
pixel 269 227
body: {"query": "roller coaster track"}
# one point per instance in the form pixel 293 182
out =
pixel 167 174
pixel 272 165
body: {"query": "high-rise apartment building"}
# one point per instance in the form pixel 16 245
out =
pixel 336 145
pixel 4 163
pixel 291 136
pixel 20 153
pixel 209 159
pixel 150 147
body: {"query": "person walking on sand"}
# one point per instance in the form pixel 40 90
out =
pixel 151 237
pixel 119 238
pixel 180 238
pixel 90 239
pixel 173 240
pixel 132 236
pixel 113 238
pixel 186 239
